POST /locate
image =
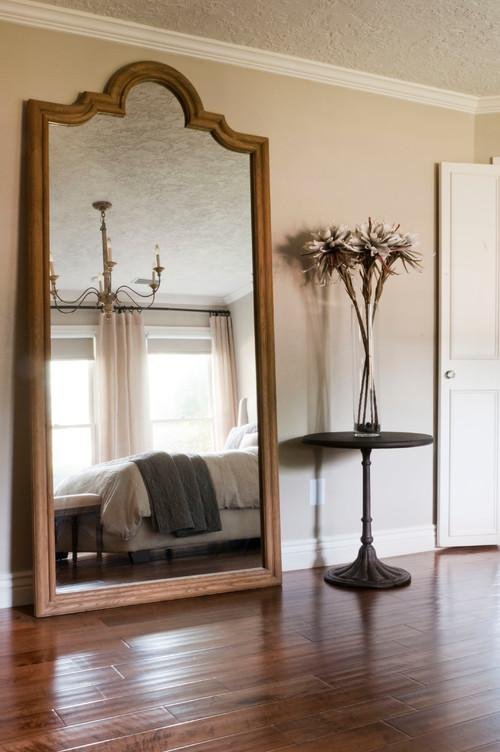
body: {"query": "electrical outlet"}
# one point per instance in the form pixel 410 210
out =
pixel 317 491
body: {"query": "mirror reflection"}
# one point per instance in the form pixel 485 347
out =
pixel 155 450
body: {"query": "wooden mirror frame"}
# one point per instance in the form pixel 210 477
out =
pixel 112 102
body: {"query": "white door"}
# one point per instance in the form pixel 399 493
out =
pixel 469 356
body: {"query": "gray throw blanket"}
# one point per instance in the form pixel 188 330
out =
pixel 181 493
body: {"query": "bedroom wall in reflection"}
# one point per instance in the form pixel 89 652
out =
pixel 155 449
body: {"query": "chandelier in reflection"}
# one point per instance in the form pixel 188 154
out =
pixel 108 300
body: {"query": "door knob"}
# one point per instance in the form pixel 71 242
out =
pixel 449 374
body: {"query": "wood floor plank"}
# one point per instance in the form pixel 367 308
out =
pixel 68 678
pixel 372 682
pixel 37 701
pixel 364 739
pixel 263 740
pixel 462 737
pixel 454 668
pixel 23 720
pixel 450 689
pixel 257 695
pixel 121 704
pixel 102 730
pixel 343 719
pixel 449 713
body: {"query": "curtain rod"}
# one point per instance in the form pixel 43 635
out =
pixel 213 311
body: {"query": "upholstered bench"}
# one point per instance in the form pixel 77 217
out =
pixel 75 505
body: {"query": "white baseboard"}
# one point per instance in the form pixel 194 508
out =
pixel 16 589
pixel 339 549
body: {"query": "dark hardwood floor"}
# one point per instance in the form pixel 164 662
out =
pixel 308 667
pixel 116 569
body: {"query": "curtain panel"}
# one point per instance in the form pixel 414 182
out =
pixel 122 401
pixel 223 377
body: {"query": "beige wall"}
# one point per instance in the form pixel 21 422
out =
pixel 487 138
pixel 335 154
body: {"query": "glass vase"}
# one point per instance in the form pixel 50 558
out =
pixel 365 406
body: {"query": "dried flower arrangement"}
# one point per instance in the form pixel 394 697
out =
pixel 363 259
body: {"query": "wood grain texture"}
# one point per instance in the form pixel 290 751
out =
pixel 308 668
pixel 112 101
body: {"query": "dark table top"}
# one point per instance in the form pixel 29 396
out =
pixel 386 440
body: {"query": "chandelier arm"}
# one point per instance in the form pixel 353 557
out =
pixel 132 292
pixel 136 304
pixel 75 305
pixel 64 310
pixel 90 291
pixel 77 301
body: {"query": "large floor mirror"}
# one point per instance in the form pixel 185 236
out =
pixel 154 424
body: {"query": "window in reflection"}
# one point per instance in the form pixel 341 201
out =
pixel 73 424
pixel 180 395
pixel 180 398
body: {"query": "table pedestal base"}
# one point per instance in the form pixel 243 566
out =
pixel 367 572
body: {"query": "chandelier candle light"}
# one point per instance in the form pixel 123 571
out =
pixel 108 300
pixel 363 259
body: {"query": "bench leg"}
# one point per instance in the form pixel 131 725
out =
pixel 74 538
pixel 98 536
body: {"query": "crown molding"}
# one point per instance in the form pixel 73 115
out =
pixel 56 18
pixel 488 105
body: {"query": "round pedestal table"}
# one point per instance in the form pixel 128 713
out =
pixel 367 570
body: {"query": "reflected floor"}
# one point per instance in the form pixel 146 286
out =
pixel 117 569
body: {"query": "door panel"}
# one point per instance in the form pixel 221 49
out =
pixel 469 356
pixel 473 267
pixel 473 485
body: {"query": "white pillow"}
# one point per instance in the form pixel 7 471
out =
pixel 237 433
pixel 249 440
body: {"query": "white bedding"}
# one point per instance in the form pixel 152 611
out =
pixel 234 473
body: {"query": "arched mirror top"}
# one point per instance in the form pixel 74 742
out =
pixel 113 101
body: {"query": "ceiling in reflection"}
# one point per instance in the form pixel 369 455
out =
pixel 168 185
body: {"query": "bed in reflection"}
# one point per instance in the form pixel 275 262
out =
pixel 157 501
